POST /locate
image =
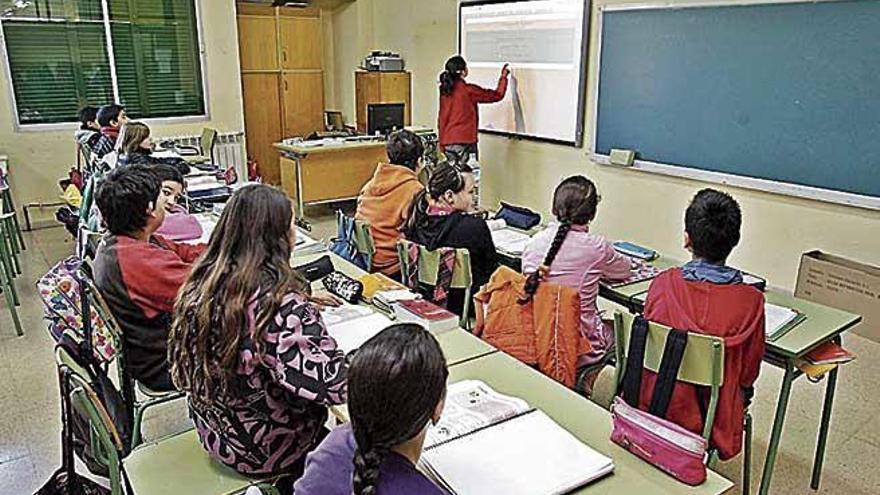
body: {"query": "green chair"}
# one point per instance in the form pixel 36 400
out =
pixel 129 386
pixel 701 365
pixel 8 208
pixel 429 262
pixel 363 238
pixel 8 268
pixel 175 464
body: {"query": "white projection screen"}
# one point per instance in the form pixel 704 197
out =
pixel 544 41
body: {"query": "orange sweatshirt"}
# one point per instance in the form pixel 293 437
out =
pixel 384 204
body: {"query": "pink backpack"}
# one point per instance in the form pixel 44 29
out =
pixel 180 226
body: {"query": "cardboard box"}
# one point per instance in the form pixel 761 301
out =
pixel 844 284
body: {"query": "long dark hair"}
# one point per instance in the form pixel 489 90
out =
pixel 574 203
pixel 249 251
pixel 454 67
pixel 395 382
pixel 446 177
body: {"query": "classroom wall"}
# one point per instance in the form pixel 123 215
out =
pixel 37 159
pixel 646 208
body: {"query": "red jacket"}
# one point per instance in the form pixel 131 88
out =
pixel 459 120
pixel 735 313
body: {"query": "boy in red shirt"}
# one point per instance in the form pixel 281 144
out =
pixel 139 273
pixel 708 297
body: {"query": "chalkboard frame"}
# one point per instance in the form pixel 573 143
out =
pixel 582 76
pixel 743 181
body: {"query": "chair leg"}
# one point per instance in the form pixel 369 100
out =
pixel 9 207
pixel 747 457
pixel 10 294
pixel 12 243
pixel 8 271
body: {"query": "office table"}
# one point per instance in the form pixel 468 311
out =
pixel 330 172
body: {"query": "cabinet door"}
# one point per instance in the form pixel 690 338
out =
pixel 257 42
pixel 367 90
pixel 395 88
pixel 303 103
pixel 262 121
pixel 302 43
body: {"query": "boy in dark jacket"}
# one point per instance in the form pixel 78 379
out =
pixel 139 273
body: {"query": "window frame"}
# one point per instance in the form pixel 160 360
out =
pixel 69 126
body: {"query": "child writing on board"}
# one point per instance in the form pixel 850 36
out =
pixel 567 253
pixel 707 296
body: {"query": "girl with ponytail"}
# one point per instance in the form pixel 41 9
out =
pixel 440 217
pixel 396 387
pixel 458 120
pixel 567 253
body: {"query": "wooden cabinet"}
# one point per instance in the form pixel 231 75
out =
pixel 258 46
pixel 302 43
pixel 303 102
pixel 262 121
pixel 381 87
pixel 281 52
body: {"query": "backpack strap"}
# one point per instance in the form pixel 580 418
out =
pixel 635 360
pixel 667 375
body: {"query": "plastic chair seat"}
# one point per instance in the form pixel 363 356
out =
pixel 157 394
pixel 179 464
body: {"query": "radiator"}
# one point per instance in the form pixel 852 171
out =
pixel 228 150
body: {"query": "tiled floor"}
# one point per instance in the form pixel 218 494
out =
pixel 29 425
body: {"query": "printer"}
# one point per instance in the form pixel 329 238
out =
pixel 379 61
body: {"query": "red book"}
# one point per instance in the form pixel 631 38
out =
pixel 425 313
pixel 830 353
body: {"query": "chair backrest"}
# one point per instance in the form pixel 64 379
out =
pixel 429 264
pixel 206 142
pixel 106 441
pixel 702 363
pixel 363 240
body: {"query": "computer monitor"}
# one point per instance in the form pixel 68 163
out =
pixel 384 117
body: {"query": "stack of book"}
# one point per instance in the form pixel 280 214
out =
pixel 425 313
pixel 824 358
pixel 779 320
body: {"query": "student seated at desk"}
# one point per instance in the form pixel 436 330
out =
pixel 708 297
pixel 249 348
pixel 137 272
pixel 89 131
pixel 179 225
pixel 385 199
pixel 396 386
pixel 567 253
pixel 136 148
pixel 111 118
pixel 440 217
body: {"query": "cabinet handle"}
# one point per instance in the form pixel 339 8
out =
pixel 284 56
pixel 285 85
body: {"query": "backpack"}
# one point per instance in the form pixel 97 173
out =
pixel 60 291
pixel 92 345
pixel 344 245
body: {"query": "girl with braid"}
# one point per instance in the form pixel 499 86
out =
pixel 567 253
pixel 396 388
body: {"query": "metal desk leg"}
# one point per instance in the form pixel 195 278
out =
pixel 830 389
pixel 300 204
pixel 776 433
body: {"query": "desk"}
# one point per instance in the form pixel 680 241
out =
pixel 587 421
pixel 823 324
pixel 330 172
pixel 458 345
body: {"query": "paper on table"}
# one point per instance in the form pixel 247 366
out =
pixel 352 325
pixel 776 318
pixel 510 241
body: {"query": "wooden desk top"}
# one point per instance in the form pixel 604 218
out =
pixel 330 147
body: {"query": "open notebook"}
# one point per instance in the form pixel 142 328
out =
pixel 778 320
pixel 487 442
pixel 351 325
pixel 509 241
